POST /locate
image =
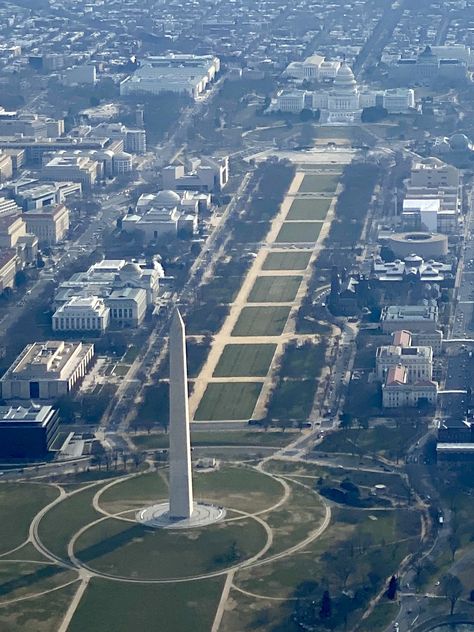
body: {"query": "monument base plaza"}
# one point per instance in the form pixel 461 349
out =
pixel 158 516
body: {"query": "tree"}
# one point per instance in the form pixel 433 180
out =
pixel 452 588
pixel 454 541
pixel 342 566
pixel 326 606
pixel 392 588
pixel 20 278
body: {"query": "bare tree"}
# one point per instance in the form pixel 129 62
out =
pixel 452 589
pixel 137 458
pixel 454 542
pixel 125 458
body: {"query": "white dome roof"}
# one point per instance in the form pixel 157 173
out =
pixel 131 267
pixel 345 81
pixel 167 198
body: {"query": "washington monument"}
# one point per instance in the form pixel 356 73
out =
pixel 180 512
pixel 181 481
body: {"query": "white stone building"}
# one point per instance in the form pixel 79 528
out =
pixel 82 314
pixel 204 175
pixel 46 370
pixel 344 101
pixel 418 361
pixel 398 392
pixel 313 68
pixel 49 223
pixel 74 167
pixel 414 318
pixel 188 74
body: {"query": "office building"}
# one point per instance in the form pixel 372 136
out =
pixel 73 166
pixel 204 175
pixel 27 432
pixel 50 223
pixel 6 166
pixel 414 318
pixel 398 391
pixel 189 74
pixel 46 370
pixel 418 361
pixel 10 264
pixel 427 67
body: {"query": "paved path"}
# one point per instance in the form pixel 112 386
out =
pixel 75 602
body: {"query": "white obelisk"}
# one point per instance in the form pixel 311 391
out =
pixel 181 481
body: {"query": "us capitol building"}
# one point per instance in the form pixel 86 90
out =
pixel 343 102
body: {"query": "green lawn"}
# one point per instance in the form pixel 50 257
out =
pixel 19 503
pixel 116 607
pixel 286 261
pixel 226 437
pixel 252 360
pixel 261 321
pixel 292 400
pixel 62 521
pixel 21 579
pixel 131 354
pixel 310 209
pixel 314 183
pixel 238 488
pixel 39 614
pixel 388 441
pixel 228 401
pixel 135 492
pixel 121 370
pixel 278 289
pixel 299 232
pixel 129 549
pixel 306 360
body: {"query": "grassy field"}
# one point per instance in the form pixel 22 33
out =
pixel 310 209
pixel 226 437
pixel 292 400
pixel 301 361
pixel 299 232
pixel 252 360
pixel 135 492
pixel 61 523
pixel 121 370
pixel 387 441
pixel 226 401
pixel 381 541
pixel 23 501
pixel 39 614
pixel 243 489
pixel 261 321
pixel 21 579
pixel 129 549
pixel 286 261
pixel 313 183
pixel 280 289
pixel 115 607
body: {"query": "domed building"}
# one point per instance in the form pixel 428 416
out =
pixel 343 101
pixel 167 199
pixel 460 142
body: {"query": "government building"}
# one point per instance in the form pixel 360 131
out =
pixel 343 102
pixel 46 370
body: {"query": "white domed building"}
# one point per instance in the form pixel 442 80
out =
pixel 342 103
